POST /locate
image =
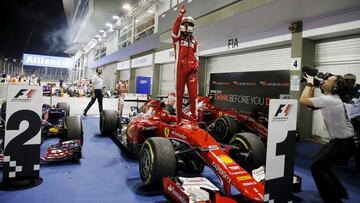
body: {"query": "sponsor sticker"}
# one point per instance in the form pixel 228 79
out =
pixel 249 183
pixel 180 135
pixel 213 147
pixel 221 172
pixel 234 168
pixel 226 159
pixel 241 178
pixel 173 191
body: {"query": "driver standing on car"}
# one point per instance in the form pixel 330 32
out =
pixel 187 62
pixel 96 93
pixel 341 131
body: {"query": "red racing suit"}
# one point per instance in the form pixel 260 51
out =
pixel 187 65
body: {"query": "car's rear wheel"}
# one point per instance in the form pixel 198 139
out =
pixel 250 151
pixel 65 106
pixel 109 122
pixel 157 160
pixel 225 128
pixel 74 129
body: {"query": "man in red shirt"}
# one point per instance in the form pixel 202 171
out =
pixel 187 62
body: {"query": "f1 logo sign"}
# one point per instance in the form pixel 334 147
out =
pixel 282 112
pixel 283 109
pixel 280 150
pixel 22 95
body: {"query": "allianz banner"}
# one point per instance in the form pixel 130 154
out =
pixel 249 91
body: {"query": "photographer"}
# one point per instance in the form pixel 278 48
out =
pixel 341 145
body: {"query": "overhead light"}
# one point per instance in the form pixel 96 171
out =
pixel 126 27
pixel 126 6
pixel 97 36
pixel 5 59
pixel 14 60
pixel 136 21
pixel 116 17
pixel 150 11
pixel 102 31
pixel 108 24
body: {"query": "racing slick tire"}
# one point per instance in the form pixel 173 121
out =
pixel 65 106
pixel 250 151
pixel 109 122
pixel 157 160
pixel 225 128
pixel 74 129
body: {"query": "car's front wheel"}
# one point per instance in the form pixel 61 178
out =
pixel 249 151
pixel 157 160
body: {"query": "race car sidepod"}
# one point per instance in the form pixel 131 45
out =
pixel 193 190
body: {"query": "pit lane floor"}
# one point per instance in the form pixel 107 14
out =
pixel 106 175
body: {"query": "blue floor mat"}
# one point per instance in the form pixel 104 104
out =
pixel 106 175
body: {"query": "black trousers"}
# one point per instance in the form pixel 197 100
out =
pixel 336 152
pixel 99 97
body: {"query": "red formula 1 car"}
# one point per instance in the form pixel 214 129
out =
pixel 167 148
pixel 247 131
pixel 228 122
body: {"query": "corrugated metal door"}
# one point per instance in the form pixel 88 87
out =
pixel 109 75
pixel 145 71
pixel 124 74
pixel 167 78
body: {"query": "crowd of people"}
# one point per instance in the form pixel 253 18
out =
pixel 20 79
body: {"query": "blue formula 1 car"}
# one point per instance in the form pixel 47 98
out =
pixel 56 122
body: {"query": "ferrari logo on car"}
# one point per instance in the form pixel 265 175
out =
pixel 166 131
pixel 226 159
pixel 221 114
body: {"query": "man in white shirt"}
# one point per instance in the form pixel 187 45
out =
pixel 97 84
pixel 33 80
pixel 341 146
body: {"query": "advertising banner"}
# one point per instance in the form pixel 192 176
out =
pixel 248 91
pixel 143 85
pixel 22 133
pixel 280 150
pixel 47 61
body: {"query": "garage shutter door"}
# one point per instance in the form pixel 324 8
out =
pixel 263 60
pixel 167 78
pixel 337 56
pixel 124 74
pixel 146 71
pixel 109 76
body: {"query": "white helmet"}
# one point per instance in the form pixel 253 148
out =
pixel 191 24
